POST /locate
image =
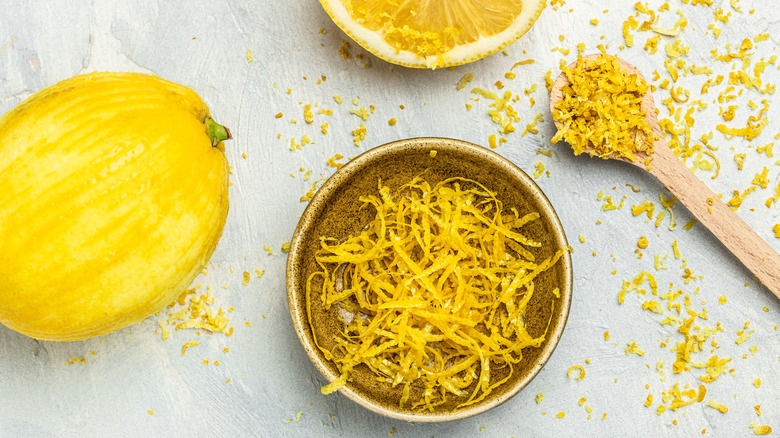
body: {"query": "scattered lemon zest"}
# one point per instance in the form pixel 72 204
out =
pixel 195 311
pixel 633 348
pixel 187 345
pixel 763 429
pixel 464 80
pixel 578 369
pixel 718 406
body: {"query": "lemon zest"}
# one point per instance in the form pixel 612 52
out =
pixel 432 292
pixel 600 110
pixel 720 407
pixel 578 369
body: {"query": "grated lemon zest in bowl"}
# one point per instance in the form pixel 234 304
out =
pixel 433 292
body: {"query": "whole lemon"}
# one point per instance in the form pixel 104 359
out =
pixel 113 196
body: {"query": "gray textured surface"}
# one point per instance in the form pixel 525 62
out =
pixel 273 389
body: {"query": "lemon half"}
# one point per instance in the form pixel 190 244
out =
pixel 434 33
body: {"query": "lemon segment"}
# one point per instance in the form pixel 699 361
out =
pixel 434 33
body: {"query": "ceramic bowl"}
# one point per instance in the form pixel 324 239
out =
pixel 335 211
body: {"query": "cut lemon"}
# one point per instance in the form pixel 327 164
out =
pixel 434 33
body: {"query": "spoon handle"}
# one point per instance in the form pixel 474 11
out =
pixel 732 231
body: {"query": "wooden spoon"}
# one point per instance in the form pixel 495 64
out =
pixel 727 227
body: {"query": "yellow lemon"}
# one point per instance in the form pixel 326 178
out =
pixel 434 33
pixel 114 195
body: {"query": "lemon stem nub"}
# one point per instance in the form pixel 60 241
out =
pixel 216 132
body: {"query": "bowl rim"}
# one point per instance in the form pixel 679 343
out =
pixel 344 173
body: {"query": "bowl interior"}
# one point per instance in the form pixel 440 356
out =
pixel 336 211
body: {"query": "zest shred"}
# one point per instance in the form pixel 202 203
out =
pixel 433 292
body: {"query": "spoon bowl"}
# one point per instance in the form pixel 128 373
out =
pixel 647 105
